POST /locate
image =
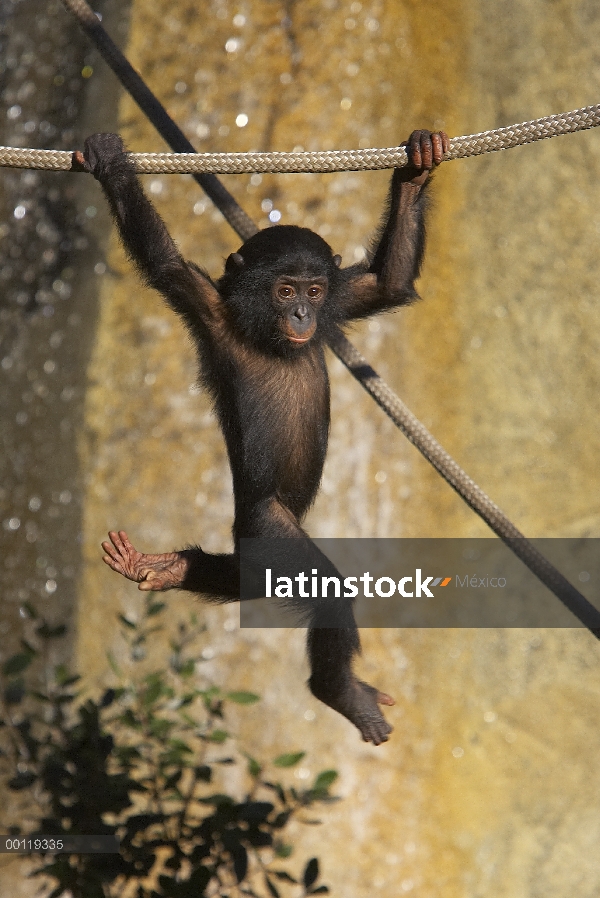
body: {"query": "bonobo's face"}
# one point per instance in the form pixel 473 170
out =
pixel 297 301
pixel 283 289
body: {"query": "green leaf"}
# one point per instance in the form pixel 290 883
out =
pixel 47 632
pixel 254 767
pixel 126 753
pixel 17 663
pixel 180 745
pixel 219 799
pixel 128 623
pixel 155 608
pixel 129 719
pixel 199 879
pixel 29 610
pixel 272 890
pixel 243 698
pixel 64 699
pixel 155 689
pixel 218 736
pixel 187 699
pixel 254 811
pixel 282 850
pixel 324 780
pixel 113 664
pixel 289 760
pixel 41 696
pixel 240 861
pixel 281 819
pixel 276 787
pixel 14 692
pixel 283 875
pixel 22 781
pixel 187 668
pixel 311 873
pixel 63 677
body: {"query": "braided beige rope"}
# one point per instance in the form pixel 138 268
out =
pixel 324 161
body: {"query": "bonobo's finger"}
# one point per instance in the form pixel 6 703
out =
pixel 426 150
pixel 437 147
pixel 113 563
pixel 414 149
pixel 110 550
pixel 115 539
pixel 384 699
pixel 441 145
pixel 79 162
pixel 125 541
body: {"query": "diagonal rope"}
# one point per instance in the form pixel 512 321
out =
pixel 323 161
pixel 346 352
pixel 460 481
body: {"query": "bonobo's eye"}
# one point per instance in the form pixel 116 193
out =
pixel 285 292
pixel 315 292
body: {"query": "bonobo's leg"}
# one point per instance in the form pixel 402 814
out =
pixel 331 649
pixel 332 681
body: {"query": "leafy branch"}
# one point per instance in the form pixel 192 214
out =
pixel 145 763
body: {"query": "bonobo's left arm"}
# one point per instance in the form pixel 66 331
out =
pixel 388 281
pixel 143 232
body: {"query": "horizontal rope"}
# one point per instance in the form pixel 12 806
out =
pixel 322 161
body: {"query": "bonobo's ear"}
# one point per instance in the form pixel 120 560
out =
pixel 234 263
pixel 337 261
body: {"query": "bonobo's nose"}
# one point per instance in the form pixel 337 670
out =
pixel 300 313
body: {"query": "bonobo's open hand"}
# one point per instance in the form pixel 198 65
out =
pixel 425 150
pixel 99 151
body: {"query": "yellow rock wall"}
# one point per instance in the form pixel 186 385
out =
pixel 489 785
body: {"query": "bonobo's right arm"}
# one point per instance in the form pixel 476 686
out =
pixel 142 230
pixel 388 282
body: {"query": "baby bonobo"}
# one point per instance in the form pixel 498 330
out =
pixel 260 330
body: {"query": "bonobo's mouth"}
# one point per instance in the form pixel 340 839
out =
pixel 299 340
pixel 298 336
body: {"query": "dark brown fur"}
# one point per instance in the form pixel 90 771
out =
pixel 260 332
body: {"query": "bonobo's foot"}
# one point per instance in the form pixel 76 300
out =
pixel 424 150
pixel 359 703
pixel 152 572
pixel 99 151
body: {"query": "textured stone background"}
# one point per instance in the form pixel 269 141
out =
pixel 489 785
